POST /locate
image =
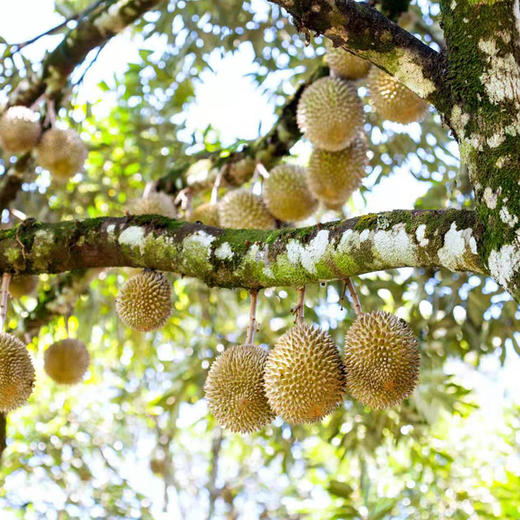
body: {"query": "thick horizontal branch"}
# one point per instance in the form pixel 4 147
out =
pixel 364 31
pixel 249 258
pixel 267 149
pixel 92 31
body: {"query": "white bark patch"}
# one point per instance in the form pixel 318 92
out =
pixel 411 74
pixel 507 218
pixel 457 243
pixel 110 229
pixel 504 263
pixel 516 14
pixel 200 237
pixel 394 247
pixel 459 120
pixel 223 252
pixel 111 21
pixel 502 79
pixel 132 236
pixel 496 140
pixel 419 234
pixel 490 198
pixel 308 256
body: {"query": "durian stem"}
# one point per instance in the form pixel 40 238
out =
pixel 353 296
pixel 216 186
pixel 300 308
pixel 4 295
pixel 51 113
pixel 252 317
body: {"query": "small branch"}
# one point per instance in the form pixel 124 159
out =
pixel 92 31
pixel 267 149
pixel 364 31
pixel 251 329
pixel 354 296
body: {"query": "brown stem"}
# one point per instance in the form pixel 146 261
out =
pixel 300 308
pixel 252 317
pixel 4 295
pixel 354 296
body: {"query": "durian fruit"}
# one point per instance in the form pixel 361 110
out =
pixel 240 209
pixel 206 213
pixel 287 195
pixel 304 375
pixel 144 302
pixel 392 100
pixel 62 152
pixel 66 361
pixel 16 373
pixel 241 171
pixel 158 466
pixel 330 113
pixel 20 129
pixel 345 64
pixel 22 285
pixel 382 359
pixel 155 203
pixel 235 389
pixel 334 176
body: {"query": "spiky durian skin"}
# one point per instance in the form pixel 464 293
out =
pixel 382 359
pixel 330 113
pixel 287 195
pixel 235 389
pixel 66 361
pixel 16 373
pixel 155 203
pixel 304 375
pixel 392 100
pixel 20 129
pixel 345 64
pixel 207 214
pixel 144 302
pixel 22 285
pixel 240 209
pixel 241 171
pixel 334 176
pixel 62 152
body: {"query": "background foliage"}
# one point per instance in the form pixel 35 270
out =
pixel 84 451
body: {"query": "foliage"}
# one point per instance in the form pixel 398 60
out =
pixel 84 451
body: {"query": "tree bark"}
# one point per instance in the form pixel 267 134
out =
pixel 249 258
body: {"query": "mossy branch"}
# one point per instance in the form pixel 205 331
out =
pixel 249 258
pixel 363 30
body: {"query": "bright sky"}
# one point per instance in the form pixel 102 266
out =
pixel 229 101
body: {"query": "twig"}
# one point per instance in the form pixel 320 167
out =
pixel 90 64
pixel 216 185
pixel 300 308
pixel 19 46
pixel 354 296
pixel 252 318
pixel 4 295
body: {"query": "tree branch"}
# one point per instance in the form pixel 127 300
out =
pixel 92 31
pixel 363 30
pixel 267 149
pixel 249 258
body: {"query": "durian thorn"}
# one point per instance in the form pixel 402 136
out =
pixel 4 295
pixel 216 185
pixel 301 305
pixel 353 296
pixel 252 317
